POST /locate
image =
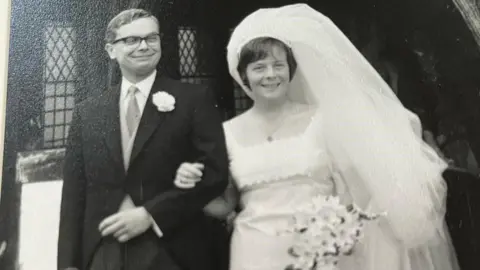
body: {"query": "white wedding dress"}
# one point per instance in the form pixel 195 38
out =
pixel 276 177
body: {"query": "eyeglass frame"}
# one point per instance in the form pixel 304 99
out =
pixel 140 39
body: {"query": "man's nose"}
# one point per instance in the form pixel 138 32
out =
pixel 143 45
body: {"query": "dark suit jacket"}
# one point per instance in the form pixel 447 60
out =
pixel 95 181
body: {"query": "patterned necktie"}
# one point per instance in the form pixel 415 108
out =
pixel 133 112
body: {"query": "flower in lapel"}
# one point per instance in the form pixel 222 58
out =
pixel 164 101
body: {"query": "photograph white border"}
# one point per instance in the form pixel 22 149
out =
pixel 5 9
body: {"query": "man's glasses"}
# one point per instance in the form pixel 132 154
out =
pixel 134 41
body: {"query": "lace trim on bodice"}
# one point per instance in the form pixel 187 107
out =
pixel 277 160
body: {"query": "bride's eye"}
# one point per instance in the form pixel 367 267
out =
pixel 258 68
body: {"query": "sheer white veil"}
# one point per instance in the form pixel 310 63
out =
pixel 374 142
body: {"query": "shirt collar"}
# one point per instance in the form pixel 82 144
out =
pixel 145 85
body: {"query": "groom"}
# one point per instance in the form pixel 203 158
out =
pixel 120 209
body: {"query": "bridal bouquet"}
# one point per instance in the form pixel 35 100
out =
pixel 325 230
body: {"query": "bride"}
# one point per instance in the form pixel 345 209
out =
pixel 324 122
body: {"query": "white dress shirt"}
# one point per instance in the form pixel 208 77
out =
pixel 144 87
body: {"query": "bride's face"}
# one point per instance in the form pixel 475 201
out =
pixel 269 78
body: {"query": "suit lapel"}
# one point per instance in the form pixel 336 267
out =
pixel 151 118
pixel 112 125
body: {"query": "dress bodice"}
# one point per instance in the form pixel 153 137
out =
pixel 275 178
pixel 294 158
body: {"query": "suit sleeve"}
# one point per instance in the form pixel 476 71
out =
pixel 171 208
pixel 73 200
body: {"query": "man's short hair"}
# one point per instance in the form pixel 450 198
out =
pixel 123 18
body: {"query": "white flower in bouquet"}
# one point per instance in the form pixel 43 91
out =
pixel 325 230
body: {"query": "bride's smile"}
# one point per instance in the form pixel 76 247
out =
pixel 271 87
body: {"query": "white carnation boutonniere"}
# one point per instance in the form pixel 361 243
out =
pixel 164 101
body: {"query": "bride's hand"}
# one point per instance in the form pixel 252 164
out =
pixel 188 174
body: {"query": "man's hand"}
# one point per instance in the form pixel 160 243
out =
pixel 127 224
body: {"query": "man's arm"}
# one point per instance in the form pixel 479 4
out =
pixel 73 200
pixel 178 205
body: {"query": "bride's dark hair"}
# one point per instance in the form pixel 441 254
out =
pixel 260 48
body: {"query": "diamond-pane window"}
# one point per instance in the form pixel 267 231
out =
pixel 187 51
pixel 60 77
pixel 190 70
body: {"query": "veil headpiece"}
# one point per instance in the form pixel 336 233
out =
pixel 374 143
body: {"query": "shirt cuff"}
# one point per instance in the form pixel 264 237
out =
pixel 155 228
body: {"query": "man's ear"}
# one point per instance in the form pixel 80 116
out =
pixel 110 50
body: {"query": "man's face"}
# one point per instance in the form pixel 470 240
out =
pixel 137 47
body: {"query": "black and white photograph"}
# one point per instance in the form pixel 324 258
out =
pixel 241 135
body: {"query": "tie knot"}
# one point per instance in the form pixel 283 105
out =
pixel 133 90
